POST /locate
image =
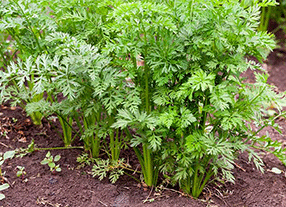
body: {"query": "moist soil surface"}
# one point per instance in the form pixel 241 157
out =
pixel 74 186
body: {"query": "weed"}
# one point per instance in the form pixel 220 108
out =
pixel 14 119
pixel 21 171
pixel 51 162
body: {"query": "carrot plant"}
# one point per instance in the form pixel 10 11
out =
pixel 26 24
pixel 194 109
pixel 162 77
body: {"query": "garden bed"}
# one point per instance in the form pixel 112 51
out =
pixel 152 90
pixel 75 187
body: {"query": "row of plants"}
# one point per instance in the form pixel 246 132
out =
pixel 161 77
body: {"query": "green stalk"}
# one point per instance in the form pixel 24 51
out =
pixel 147 153
pixel 262 19
pixel 200 181
pixel 92 142
pixel 4 61
pixel 265 16
pixel 67 129
pixel 191 9
pixel 58 148
pixel 148 165
pixel 187 185
pixel 204 117
pixel 141 160
pixel 195 182
pixel 209 174
pixel 37 116
pixel 76 117
pixel 16 38
pixel 114 145
pixel 117 144
pixel 124 173
pixel 95 146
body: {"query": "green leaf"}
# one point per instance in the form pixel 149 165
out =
pixel 57 158
pixel 276 170
pixel 45 161
pixel 19 173
pixel 52 165
pixel 4 186
pixel 58 169
pixel 48 154
pixel 2 196
pixel 9 155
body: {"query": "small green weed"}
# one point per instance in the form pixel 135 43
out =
pixel 21 172
pixel 14 120
pixel 50 161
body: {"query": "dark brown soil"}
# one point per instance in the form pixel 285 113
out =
pixel 75 187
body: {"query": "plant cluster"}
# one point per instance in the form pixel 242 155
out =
pixel 161 77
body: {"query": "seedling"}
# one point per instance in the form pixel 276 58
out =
pixel 50 160
pixel 21 172
pixel 4 134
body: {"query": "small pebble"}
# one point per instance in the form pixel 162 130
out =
pixel 53 180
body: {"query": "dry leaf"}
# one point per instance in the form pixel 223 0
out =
pixel 20 132
pixel 144 185
pixel 23 140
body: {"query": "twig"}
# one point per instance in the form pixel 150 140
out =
pixel 135 169
pixel 221 197
pixel 4 145
pixel 102 203
pixel 239 167
pixel 148 195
